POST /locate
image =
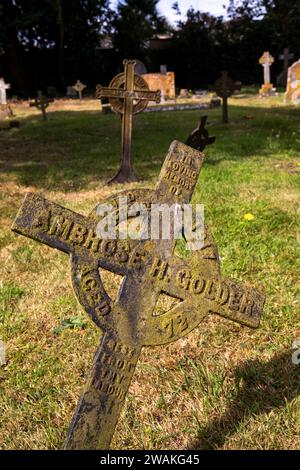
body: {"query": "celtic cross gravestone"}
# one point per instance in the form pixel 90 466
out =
pixel 42 103
pixel 79 87
pixel 224 88
pixel 266 61
pixel 128 94
pixel 150 269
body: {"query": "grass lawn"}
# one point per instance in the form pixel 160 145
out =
pixel 223 386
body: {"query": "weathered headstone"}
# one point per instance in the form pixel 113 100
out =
pixel 3 87
pixel 128 94
pixel 224 88
pixel 163 69
pixel 79 87
pixel 199 138
pixel 150 269
pixel 266 61
pixel 164 82
pixel 42 103
pixel 51 91
pixel 71 93
pixel 292 94
pixel 184 93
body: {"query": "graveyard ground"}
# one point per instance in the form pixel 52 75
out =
pixel 223 386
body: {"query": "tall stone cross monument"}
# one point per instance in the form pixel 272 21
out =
pixel 150 269
pixel 3 87
pixel 266 61
pixel 128 94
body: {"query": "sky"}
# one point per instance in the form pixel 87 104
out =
pixel 214 7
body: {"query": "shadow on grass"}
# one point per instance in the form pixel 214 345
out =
pixel 261 388
pixel 74 149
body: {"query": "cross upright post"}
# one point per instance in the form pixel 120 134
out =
pixel 128 94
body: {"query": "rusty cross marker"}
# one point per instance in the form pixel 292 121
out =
pixel 224 87
pixel 150 269
pixel 199 138
pixel 128 94
pixel 79 87
pixel 42 103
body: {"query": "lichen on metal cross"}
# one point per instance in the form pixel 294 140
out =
pixel 150 268
pixel 128 94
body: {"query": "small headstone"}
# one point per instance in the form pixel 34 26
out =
pixel 128 94
pixel 42 103
pixel 71 93
pixel 199 138
pixel 5 112
pixel 79 87
pixel 267 88
pixel 292 94
pixel 150 268
pixel 224 88
pixel 3 87
pixel 140 68
pixel 184 93
pixel 163 69
pixel 51 91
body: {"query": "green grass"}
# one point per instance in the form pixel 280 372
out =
pixel 223 386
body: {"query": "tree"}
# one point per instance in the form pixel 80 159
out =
pixel 134 24
pixel 70 30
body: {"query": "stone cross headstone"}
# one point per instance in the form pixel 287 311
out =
pixel 292 94
pixel 3 87
pixel 150 269
pixel 266 61
pixel 224 88
pixel 42 103
pixel 128 94
pixel 199 138
pixel 79 87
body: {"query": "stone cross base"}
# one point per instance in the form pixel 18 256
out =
pixel 267 90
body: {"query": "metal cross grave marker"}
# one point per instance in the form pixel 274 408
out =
pixel 199 138
pixel 79 87
pixel 225 87
pixel 128 94
pixel 150 269
pixel 42 103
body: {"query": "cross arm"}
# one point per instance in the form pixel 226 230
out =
pixel 68 231
pixel 220 296
pixel 121 93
